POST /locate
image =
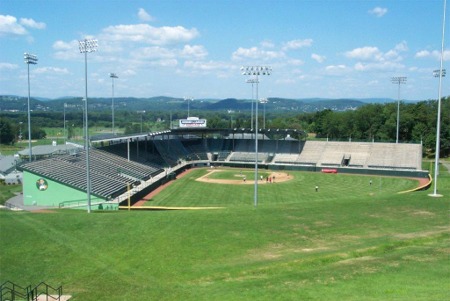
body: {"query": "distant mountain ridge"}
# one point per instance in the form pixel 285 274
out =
pixel 167 103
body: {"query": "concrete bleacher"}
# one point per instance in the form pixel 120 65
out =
pixel 311 153
pixel 356 155
pixel 395 156
pixel 286 158
pixel 248 157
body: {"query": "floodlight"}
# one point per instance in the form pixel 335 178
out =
pixel 256 71
pixel 29 59
pixel 399 80
pixel 86 46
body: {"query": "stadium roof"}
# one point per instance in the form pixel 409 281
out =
pixel 42 150
pixel 199 132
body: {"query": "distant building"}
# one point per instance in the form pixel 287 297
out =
pixel 7 165
pixel 47 151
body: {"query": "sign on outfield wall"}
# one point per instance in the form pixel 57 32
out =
pixel 192 122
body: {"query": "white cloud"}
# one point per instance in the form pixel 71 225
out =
pixel 165 63
pixel 32 24
pixel 383 66
pixel 402 46
pixel 164 53
pixel 285 81
pixel 423 53
pixel 372 58
pixel 147 34
pixel 206 66
pixel 9 25
pixel 433 54
pixel 61 45
pixel 144 16
pixel 267 44
pixel 195 51
pixel 297 44
pixel 129 72
pixel 378 11
pixel 364 53
pixel 66 50
pixel 318 58
pixel 51 70
pixel 295 62
pixel 336 68
pixel 8 66
pixel 255 53
pixel 154 52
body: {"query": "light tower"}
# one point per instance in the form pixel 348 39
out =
pixel 264 101
pixel 439 73
pixel 399 80
pixel 29 59
pixel 251 81
pixel 188 99
pixel 64 121
pixel 113 76
pixel 256 71
pixel 85 47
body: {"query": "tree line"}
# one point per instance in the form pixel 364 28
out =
pixel 371 122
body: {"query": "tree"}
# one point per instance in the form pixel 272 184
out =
pixel 36 133
pixel 6 132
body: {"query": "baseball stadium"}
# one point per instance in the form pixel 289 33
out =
pixel 123 170
pixel 227 214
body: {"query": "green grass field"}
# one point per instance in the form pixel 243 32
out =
pixel 349 241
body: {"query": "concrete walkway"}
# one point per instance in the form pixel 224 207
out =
pixel 54 297
pixel 16 203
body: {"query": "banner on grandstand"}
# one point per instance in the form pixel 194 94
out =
pixel 192 122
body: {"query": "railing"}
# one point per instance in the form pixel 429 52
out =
pixel 73 203
pixel 11 291
pixel 49 292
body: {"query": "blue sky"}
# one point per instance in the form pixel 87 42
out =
pixel 329 49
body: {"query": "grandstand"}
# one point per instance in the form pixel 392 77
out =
pixel 144 162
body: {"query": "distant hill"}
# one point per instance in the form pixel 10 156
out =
pixel 166 103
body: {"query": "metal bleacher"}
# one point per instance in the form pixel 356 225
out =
pixel 110 174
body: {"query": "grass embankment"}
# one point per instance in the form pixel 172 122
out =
pixel 349 241
pixel 8 191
